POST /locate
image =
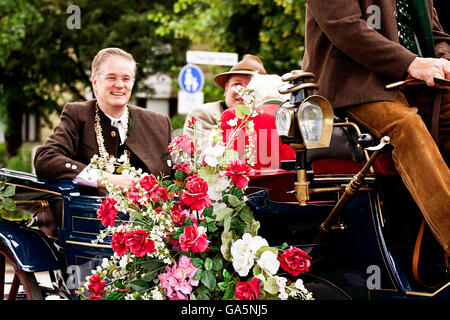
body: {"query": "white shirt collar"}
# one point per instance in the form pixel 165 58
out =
pixel 121 125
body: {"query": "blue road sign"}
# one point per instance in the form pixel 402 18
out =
pixel 191 79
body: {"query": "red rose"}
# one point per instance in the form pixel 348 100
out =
pixel 134 195
pixel 107 211
pixel 159 193
pixel 195 194
pixel 96 285
pixel 138 243
pixel 118 243
pixel 239 171
pixel 178 215
pixel 248 290
pixel 295 261
pixel 192 240
pixel 148 182
pixel 184 167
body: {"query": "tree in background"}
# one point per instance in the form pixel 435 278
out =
pixel 271 29
pixel 42 59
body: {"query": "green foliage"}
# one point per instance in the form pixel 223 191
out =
pixel 178 121
pixel 273 30
pixel 41 58
pixel 22 161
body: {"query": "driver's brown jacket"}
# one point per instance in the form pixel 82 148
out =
pixel 352 62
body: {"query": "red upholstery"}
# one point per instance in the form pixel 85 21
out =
pixel 269 148
pixel 382 165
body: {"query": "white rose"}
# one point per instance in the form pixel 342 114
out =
pixel 269 262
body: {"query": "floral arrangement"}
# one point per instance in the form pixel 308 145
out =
pixel 193 236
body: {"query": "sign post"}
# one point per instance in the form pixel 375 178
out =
pixel 191 81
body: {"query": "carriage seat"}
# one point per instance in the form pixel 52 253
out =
pixel 341 157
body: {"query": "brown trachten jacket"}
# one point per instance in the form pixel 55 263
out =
pixel 72 145
pixel 352 62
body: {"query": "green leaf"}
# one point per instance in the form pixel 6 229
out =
pixel 198 262
pixel 178 233
pixel 208 280
pixel 212 226
pixel 116 295
pixel 9 204
pixel 233 200
pixel 230 292
pixel 10 191
pixel 266 248
pixel 198 275
pixel 222 286
pixel 188 222
pixel 237 192
pixel 226 275
pixel 223 213
pixel 166 183
pixel 241 111
pixel 208 264
pixel 217 263
pixel 179 175
pixel 207 212
pixel 271 286
pixel 139 285
pixel 246 214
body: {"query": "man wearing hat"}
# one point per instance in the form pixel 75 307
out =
pixel 207 115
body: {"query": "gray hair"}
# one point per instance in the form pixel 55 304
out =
pixel 104 54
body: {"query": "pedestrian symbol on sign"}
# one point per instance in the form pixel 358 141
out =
pixel 191 79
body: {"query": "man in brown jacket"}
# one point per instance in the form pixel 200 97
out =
pixel 106 125
pixel 357 47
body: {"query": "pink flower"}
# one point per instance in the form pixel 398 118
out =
pixel 178 280
pixel 239 171
pixel 107 211
pixel 96 285
pixel 138 243
pixel 192 239
pixel 195 194
pixel 182 142
pixel 118 243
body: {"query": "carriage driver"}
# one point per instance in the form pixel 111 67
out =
pixel 355 48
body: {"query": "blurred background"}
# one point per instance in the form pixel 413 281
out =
pixel 47 46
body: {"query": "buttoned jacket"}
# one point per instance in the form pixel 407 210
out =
pixel 72 145
pixel 355 54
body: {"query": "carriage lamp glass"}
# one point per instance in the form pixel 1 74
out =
pixel 311 121
pixel 315 120
pixel 284 121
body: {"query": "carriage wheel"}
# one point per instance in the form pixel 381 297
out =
pixel 21 280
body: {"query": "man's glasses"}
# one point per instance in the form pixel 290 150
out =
pixel 113 79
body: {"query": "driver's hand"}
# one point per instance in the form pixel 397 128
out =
pixel 428 68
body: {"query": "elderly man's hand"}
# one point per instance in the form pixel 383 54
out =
pixel 428 68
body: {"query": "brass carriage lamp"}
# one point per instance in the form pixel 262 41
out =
pixel 304 122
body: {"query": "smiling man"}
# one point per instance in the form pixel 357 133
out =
pixel 207 114
pixel 107 125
